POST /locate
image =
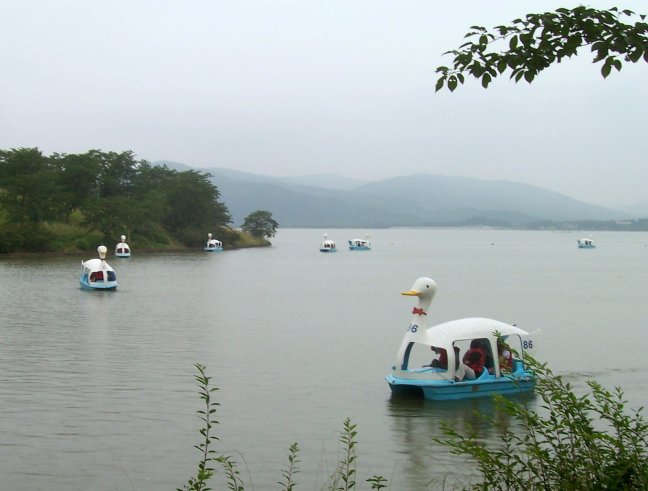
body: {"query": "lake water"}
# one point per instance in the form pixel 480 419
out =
pixel 97 389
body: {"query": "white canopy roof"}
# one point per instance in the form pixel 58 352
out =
pixel 95 265
pixel 444 334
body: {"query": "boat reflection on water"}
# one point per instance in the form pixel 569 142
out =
pixel 415 421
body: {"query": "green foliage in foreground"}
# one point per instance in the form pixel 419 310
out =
pixel 574 443
pixel 343 478
pixel 586 442
pixel 528 46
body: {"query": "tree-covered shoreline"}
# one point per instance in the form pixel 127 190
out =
pixel 69 203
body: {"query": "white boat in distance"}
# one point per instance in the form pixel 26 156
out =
pixel 213 245
pixel 360 244
pixel 96 274
pixel 586 244
pixel 122 249
pixel 327 245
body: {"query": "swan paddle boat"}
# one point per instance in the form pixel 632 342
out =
pixel 213 245
pixel 96 274
pixel 327 245
pixel 360 244
pixel 586 244
pixel 122 249
pixel 438 362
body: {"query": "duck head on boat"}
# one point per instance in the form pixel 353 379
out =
pixel 96 274
pixel 459 359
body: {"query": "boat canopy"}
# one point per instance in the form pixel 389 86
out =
pixel 95 265
pixel 443 335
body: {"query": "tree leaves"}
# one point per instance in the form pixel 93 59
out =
pixel 530 45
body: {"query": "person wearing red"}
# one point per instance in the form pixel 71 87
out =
pixel 442 360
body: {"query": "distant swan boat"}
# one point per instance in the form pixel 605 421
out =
pixel 360 244
pixel 213 245
pixel 96 274
pixel 586 244
pixel 327 245
pixel 122 249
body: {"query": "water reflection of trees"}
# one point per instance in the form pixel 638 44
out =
pixel 416 421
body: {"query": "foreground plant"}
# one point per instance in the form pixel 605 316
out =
pixel 205 472
pixel 344 475
pixel 587 442
pixel 288 484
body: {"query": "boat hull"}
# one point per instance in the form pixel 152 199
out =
pixel 122 254
pixel 443 390
pixel 323 249
pixel 97 285
pixel 359 248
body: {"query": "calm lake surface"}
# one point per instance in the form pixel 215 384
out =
pixel 97 388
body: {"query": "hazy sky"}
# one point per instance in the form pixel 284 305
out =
pixel 298 87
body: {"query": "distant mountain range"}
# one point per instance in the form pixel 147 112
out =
pixel 330 201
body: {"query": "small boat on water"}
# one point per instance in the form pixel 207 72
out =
pixel 360 244
pixel 122 249
pixel 213 245
pixel 327 245
pixel 96 274
pixel 586 244
pixel 463 365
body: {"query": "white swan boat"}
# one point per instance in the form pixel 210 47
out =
pixel 360 244
pixel 213 245
pixel 454 375
pixel 586 244
pixel 327 245
pixel 122 249
pixel 96 274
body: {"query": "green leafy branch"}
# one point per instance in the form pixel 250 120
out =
pixel 536 42
pixel 572 442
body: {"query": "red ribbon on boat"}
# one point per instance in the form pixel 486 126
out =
pixel 418 311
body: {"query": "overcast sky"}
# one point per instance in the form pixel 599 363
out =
pixel 294 87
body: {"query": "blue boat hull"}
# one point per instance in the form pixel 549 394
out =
pixel 439 390
pixel 328 250
pixel 103 285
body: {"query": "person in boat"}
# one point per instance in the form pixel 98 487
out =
pixel 442 360
pixel 484 346
pixel 462 371
pixel 475 358
pixel 504 356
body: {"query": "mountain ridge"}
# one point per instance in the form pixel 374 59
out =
pixel 328 200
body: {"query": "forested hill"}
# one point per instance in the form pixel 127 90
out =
pixel 416 200
pixel 77 201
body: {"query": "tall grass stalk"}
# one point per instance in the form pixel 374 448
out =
pixel 343 478
pixel 206 415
